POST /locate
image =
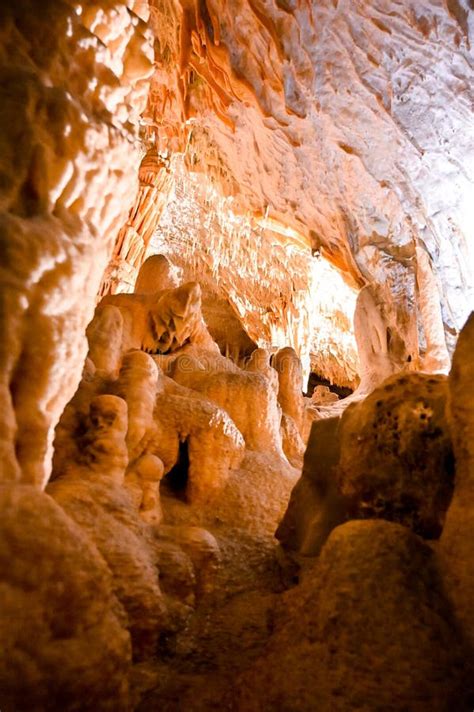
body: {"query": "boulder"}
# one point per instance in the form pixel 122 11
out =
pixel 64 643
pixel 396 455
pixel 369 628
pixel 316 505
pixel 456 544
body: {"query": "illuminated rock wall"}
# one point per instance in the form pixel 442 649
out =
pixel 74 81
pixel 347 121
pixel 279 291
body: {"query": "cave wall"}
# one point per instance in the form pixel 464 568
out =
pixel 345 122
pixel 74 80
pixel 349 122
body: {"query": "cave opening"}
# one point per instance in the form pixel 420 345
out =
pixel 176 480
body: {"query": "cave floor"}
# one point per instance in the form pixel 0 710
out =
pixel 198 666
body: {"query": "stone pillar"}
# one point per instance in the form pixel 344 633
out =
pixel 134 237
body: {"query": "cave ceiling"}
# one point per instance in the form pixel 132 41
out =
pixel 347 122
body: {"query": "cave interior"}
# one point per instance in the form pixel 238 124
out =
pixel 236 358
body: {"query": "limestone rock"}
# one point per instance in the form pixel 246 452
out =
pixel 104 335
pixel 456 545
pixel 322 395
pixel 289 100
pixel 383 343
pixel 74 421
pixel 64 641
pixel 247 397
pixel 293 445
pixel 316 506
pixel 260 361
pixel 201 548
pixel 137 385
pixel 104 510
pixel 290 384
pixel 155 275
pixel 163 322
pixel 67 100
pixel 143 482
pixel 368 628
pixel 103 450
pixel 213 443
pixel 225 325
pixel 176 572
pixel 396 454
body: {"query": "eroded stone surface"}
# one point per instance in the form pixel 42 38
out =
pixel 456 548
pixel 316 505
pixel 359 632
pixel 64 638
pixel 69 96
pixel 396 454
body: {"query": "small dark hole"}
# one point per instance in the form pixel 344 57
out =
pixel 176 479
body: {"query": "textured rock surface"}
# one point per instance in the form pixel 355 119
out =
pixel 346 122
pixel 383 345
pixel 292 442
pixel 133 239
pixel 159 323
pixel 64 639
pixel 290 384
pixel 456 546
pixel 271 136
pixel 280 125
pixel 104 510
pixel 247 397
pixel 316 505
pixel 359 632
pixel 280 292
pixel 74 81
pixel 396 454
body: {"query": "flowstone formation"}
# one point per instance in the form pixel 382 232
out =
pixel 338 127
pixel 388 461
pixel 171 474
pixel 181 529
pixel 163 461
pixel 74 81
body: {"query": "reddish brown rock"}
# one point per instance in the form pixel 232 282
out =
pixel 64 640
pixel 396 458
pixel 456 545
pixel 368 628
pixel 316 505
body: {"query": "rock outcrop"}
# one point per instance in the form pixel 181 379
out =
pixel 456 548
pixel 316 505
pixel 64 639
pixel 74 82
pixel 360 631
pixel 396 458
pixel 389 456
